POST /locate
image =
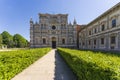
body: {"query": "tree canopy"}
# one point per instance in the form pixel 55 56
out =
pixel 0 39
pixel 13 41
pixel 19 41
pixel 7 39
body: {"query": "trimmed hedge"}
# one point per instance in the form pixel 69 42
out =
pixel 90 65
pixel 13 62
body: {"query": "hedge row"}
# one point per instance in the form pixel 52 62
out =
pixel 90 65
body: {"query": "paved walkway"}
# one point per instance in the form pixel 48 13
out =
pixel 49 67
pixel 4 50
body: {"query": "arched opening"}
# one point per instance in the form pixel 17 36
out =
pixel 53 42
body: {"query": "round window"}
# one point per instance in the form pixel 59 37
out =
pixel 53 27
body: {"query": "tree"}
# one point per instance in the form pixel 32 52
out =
pixel 7 39
pixel 19 41
pixel 0 39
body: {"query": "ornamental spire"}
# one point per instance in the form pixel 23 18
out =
pixel 31 21
pixel 74 22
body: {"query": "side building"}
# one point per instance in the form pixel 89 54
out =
pixel 53 30
pixel 103 32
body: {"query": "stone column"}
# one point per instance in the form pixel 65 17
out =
pixel 107 41
pixel 99 26
pixel 119 40
pixel 97 42
pixel 92 43
pixel 108 22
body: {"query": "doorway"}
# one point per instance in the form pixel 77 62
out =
pixel 53 42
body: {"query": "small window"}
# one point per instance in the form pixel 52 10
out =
pixel 44 24
pixel 95 30
pixel 41 25
pixel 44 41
pixel 95 42
pixel 113 40
pixel 61 25
pixel 89 42
pixel 103 27
pixel 83 43
pixel 89 32
pixel 63 41
pixel 102 41
pixel 114 23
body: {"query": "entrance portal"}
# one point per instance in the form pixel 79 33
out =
pixel 53 42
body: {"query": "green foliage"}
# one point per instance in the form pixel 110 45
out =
pixel 7 39
pixel 13 41
pixel 19 41
pixel 89 65
pixel 0 39
pixel 13 62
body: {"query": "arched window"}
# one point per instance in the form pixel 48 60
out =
pixel 113 40
pixel 102 27
pixel 113 23
pixel 89 42
pixel 102 41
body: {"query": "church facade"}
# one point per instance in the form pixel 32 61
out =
pixel 53 30
pixel 103 33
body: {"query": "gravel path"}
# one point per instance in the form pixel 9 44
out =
pixel 49 67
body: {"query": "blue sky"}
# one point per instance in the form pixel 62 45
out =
pixel 15 14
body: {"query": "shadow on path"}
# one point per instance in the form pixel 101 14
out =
pixel 62 71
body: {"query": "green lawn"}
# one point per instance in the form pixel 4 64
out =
pixel 91 65
pixel 13 62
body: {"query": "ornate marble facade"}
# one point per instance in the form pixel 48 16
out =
pixel 103 32
pixel 53 30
